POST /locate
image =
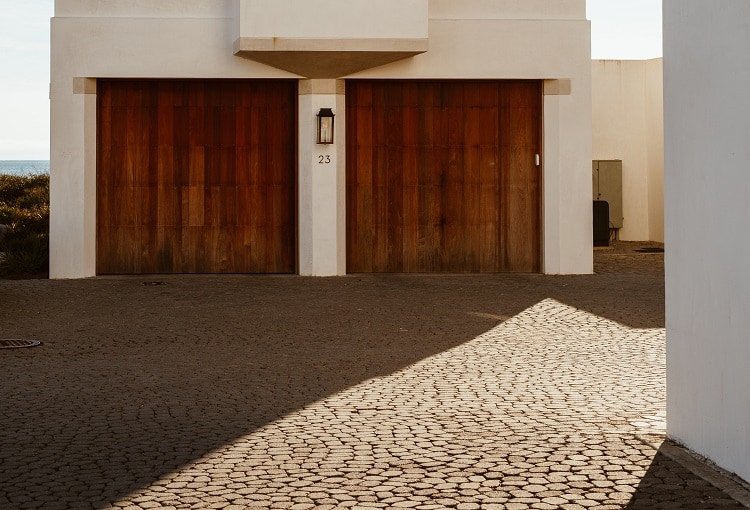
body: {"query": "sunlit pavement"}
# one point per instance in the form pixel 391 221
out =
pixel 390 392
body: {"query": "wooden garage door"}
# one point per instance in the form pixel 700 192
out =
pixel 196 177
pixel 442 176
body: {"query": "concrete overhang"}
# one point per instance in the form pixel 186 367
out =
pixel 327 58
pixel 330 38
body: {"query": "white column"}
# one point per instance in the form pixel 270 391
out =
pixel 322 182
pixel 568 216
pixel 73 178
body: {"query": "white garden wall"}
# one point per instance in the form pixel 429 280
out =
pixel 707 117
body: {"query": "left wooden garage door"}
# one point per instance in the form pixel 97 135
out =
pixel 196 177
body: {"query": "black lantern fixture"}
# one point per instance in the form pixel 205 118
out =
pixel 325 126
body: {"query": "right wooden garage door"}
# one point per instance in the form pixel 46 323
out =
pixel 443 176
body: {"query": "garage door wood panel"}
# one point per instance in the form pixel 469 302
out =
pixel 196 177
pixel 441 176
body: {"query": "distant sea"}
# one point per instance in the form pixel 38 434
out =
pixel 24 167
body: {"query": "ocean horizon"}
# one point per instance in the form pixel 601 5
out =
pixel 24 167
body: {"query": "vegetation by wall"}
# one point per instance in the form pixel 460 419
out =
pixel 24 211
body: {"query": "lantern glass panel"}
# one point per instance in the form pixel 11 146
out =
pixel 325 127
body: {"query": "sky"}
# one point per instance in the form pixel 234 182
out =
pixel 621 29
pixel 24 78
pixel 625 29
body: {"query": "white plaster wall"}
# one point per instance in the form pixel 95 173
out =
pixel 508 9
pixel 628 125
pixel 194 39
pixel 438 9
pixel 144 8
pixel 333 19
pixel 707 181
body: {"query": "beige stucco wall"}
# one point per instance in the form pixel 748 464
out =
pixel 655 156
pixel 194 39
pixel 628 124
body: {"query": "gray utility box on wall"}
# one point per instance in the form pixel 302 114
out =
pixel 608 188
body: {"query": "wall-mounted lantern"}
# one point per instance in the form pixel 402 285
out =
pixel 325 126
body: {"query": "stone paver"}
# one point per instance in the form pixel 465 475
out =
pixel 361 392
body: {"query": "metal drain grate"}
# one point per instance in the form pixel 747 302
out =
pixel 15 343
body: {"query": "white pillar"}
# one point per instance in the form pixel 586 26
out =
pixel 568 216
pixel 322 182
pixel 551 179
pixel 73 177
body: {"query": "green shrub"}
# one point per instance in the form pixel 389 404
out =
pixel 24 208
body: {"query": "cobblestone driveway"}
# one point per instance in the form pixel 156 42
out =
pixel 394 391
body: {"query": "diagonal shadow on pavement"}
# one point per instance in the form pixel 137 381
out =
pixel 134 383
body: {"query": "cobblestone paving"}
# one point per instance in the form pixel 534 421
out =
pixel 364 392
